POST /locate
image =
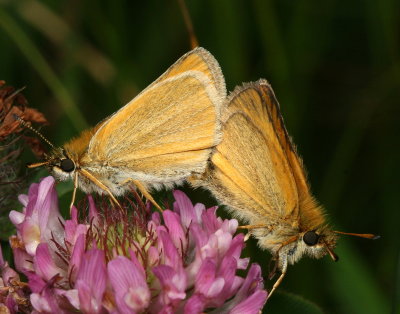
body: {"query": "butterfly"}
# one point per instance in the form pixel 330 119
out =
pixel 256 171
pixel 162 136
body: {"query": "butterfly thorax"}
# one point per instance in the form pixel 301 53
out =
pixel 78 146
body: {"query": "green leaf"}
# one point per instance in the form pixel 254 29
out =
pixel 284 302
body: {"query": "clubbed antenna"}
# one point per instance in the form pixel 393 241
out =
pixel 361 235
pixel 25 124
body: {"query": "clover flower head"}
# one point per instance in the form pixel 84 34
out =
pixel 184 260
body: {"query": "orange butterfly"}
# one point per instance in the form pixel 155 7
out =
pixel 256 171
pixel 162 136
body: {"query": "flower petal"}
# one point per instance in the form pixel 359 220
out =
pixel 252 304
pixel 173 283
pixel 23 199
pixel 91 281
pixel 44 264
pixel 195 304
pixel 129 284
pixel 171 257
pixel 175 230
pixel 16 217
pixel 184 207
pixel 76 257
pixel 30 234
pixel 22 260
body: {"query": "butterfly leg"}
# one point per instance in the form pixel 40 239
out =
pixel 74 192
pixel 272 270
pixel 249 227
pixel 282 266
pixel 144 191
pixel 283 273
pixel 93 179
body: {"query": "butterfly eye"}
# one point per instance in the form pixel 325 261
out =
pixel 310 238
pixel 67 165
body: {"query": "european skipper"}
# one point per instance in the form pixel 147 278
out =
pixel 161 137
pixel 256 171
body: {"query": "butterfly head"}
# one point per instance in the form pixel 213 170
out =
pixel 59 163
pixel 319 243
pixel 314 243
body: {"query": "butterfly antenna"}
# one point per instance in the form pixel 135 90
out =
pixel 189 25
pixel 25 124
pixel 361 235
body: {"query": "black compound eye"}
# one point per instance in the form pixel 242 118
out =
pixel 310 238
pixel 67 165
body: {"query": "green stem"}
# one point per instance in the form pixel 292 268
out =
pixel 32 53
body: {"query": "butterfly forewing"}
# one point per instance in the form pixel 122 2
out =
pixel 272 106
pixel 237 175
pixel 200 60
pixel 169 128
pixel 261 175
pixel 309 214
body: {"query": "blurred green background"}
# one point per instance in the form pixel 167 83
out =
pixel 334 66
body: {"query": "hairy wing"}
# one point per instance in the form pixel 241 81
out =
pixel 167 131
pixel 251 170
pixel 171 125
pixel 198 59
pixel 270 108
pixel 309 213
